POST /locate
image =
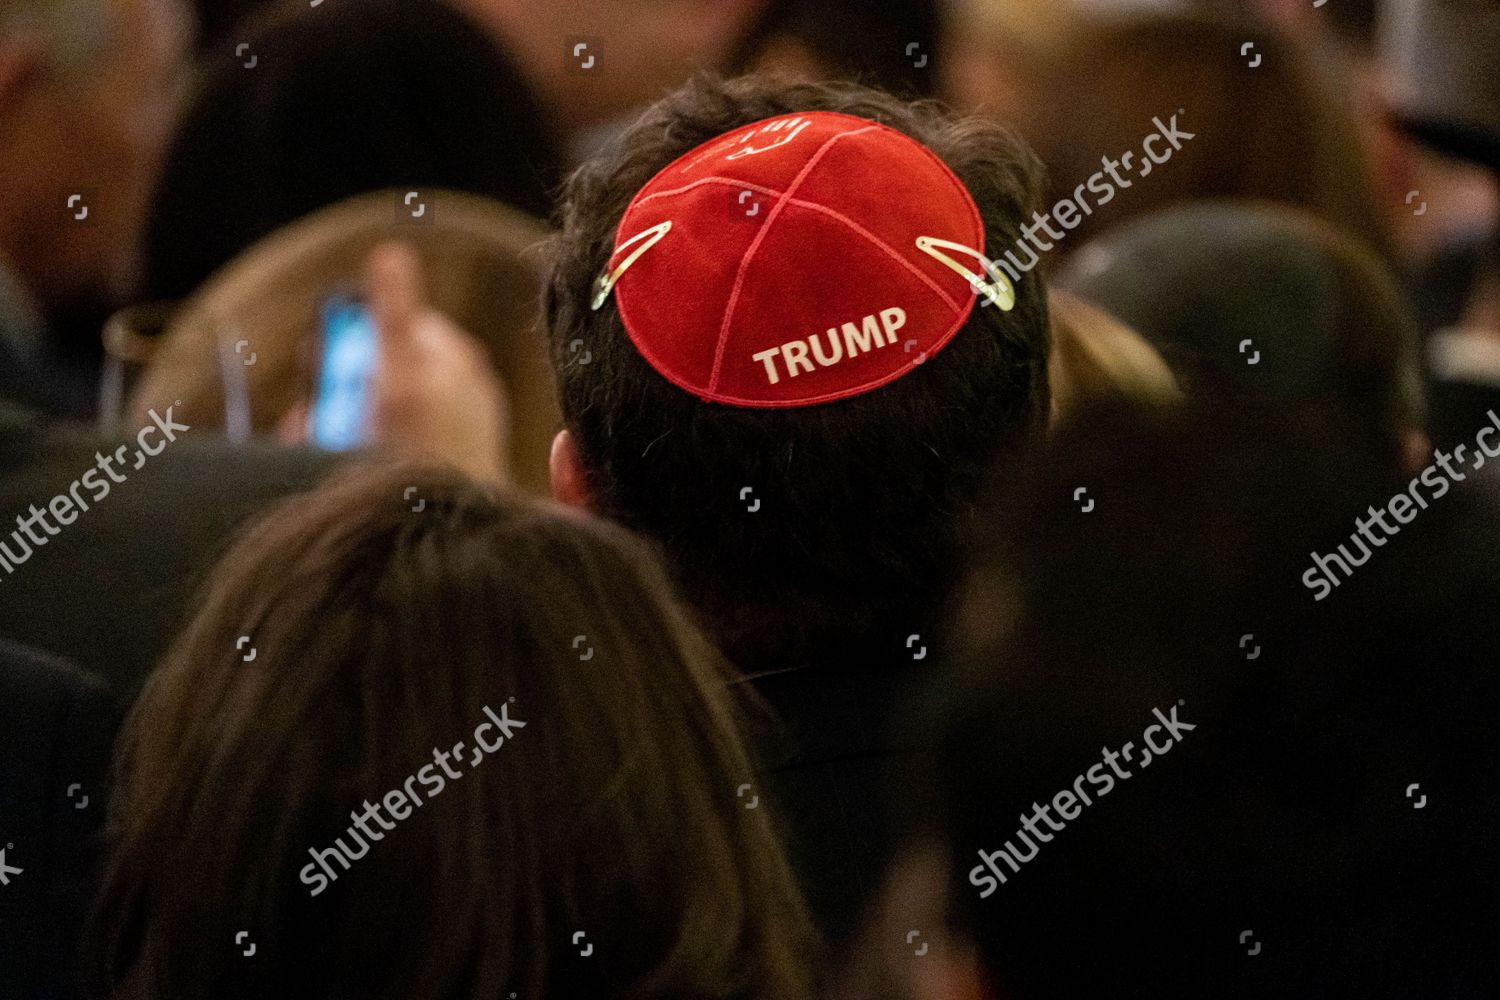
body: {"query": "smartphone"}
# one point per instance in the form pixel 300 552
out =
pixel 348 354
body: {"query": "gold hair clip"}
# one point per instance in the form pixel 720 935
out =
pixel 992 284
pixel 606 281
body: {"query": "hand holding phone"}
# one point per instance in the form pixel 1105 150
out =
pixel 396 374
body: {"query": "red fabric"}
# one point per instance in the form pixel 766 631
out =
pixel 841 202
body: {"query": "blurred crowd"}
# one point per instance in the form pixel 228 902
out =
pixel 998 612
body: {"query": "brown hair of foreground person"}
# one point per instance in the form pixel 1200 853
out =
pixel 602 850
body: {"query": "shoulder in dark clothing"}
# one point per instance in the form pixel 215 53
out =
pixel 57 727
pixel 112 587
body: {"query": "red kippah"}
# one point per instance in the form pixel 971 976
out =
pixel 798 260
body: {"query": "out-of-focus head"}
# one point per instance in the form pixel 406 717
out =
pixel 894 45
pixel 1265 303
pixel 804 438
pixel 88 91
pixel 594 61
pixel 1253 832
pixel 328 103
pixel 377 635
pixel 1097 88
pixel 1444 77
pixel 993 51
pixel 1445 57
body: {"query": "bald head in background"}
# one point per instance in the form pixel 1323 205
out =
pixel 88 90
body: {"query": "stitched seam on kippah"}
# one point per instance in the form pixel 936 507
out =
pixel 771 217
pixel 948 300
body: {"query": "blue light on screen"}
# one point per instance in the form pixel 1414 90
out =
pixel 340 414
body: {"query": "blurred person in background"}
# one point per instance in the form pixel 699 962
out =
pixel 893 45
pixel 88 89
pixel 341 100
pixel 1424 76
pixel 1092 88
pixel 105 590
pixel 993 50
pixel 101 549
pixel 87 93
pixel 865 465
pixel 1444 58
pixel 591 64
pixel 593 842
pixel 105 582
pixel 1292 797
pixel 256 350
pixel 1264 304
pixel 595 63
pixel 1421 75
pixel 1346 37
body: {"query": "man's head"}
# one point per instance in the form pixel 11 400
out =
pixel 800 528
pixel 87 90
pixel 1333 337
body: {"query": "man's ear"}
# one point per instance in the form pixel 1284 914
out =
pixel 21 58
pixel 565 469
